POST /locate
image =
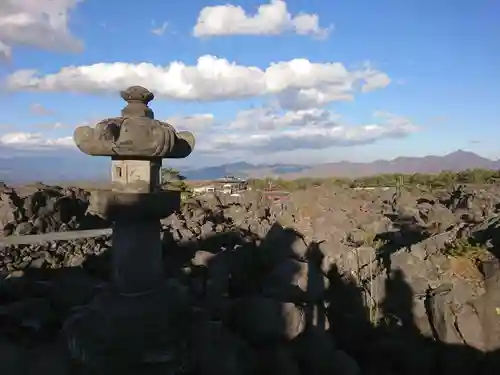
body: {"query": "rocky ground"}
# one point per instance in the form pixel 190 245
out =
pixel 329 281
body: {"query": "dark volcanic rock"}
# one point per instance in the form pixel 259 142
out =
pixel 332 281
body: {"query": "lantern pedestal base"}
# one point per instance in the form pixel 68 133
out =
pixel 131 334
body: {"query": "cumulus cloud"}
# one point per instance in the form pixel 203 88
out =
pixel 391 118
pixel 51 126
pixel 36 23
pixel 297 99
pixel 50 136
pixel 299 83
pixel 368 78
pixel 34 141
pixel 265 130
pixel 193 123
pixel 5 52
pixel 160 30
pixel 270 19
pixel 39 109
pixel 271 119
pixel 374 80
pixel 258 131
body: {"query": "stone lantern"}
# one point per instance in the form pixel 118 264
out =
pixel 140 320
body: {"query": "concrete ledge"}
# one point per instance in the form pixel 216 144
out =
pixel 54 236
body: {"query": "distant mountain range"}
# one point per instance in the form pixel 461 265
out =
pixel 79 167
pixel 53 168
pixel 456 161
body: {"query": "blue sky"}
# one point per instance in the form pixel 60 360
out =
pixel 382 78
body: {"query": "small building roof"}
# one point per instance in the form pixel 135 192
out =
pixel 230 179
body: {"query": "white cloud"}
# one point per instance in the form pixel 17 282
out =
pixel 159 30
pixel 36 23
pixel 34 141
pixel 265 119
pixel 51 126
pixel 374 80
pixel 5 52
pixel 254 133
pixel 39 109
pixel 263 130
pixel 313 97
pixel 270 19
pixel 339 89
pixel 298 83
pixel 193 123
pixel 391 118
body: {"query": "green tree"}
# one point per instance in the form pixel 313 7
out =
pixel 174 179
pixel 171 174
pixel 420 180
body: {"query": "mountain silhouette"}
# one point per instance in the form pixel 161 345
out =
pixel 455 161
pixel 77 167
